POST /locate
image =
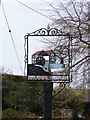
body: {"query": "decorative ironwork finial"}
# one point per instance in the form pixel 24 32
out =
pixel 48 27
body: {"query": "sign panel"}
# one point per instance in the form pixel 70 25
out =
pixel 47 64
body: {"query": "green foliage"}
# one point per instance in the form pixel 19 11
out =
pixel 69 98
pixel 77 102
pixel 11 113
pixel 19 95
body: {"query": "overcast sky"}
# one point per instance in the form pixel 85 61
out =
pixel 21 21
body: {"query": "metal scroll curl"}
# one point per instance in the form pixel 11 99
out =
pixel 48 32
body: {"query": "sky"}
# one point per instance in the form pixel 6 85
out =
pixel 21 21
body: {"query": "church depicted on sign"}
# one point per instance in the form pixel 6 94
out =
pixel 48 55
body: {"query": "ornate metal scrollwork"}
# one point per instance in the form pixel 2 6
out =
pixel 25 57
pixel 48 32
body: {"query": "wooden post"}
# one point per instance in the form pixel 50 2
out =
pixel 48 88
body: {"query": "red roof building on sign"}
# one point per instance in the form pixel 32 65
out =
pixel 48 52
pixel 48 56
pixel 38 52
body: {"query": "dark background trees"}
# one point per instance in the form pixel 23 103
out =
pixel 20 97
pixel 70 98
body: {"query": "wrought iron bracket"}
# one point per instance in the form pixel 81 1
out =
pixel 64 84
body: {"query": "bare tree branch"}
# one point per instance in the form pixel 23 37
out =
pixel 80 61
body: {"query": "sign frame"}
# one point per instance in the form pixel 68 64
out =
pixel 50 32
